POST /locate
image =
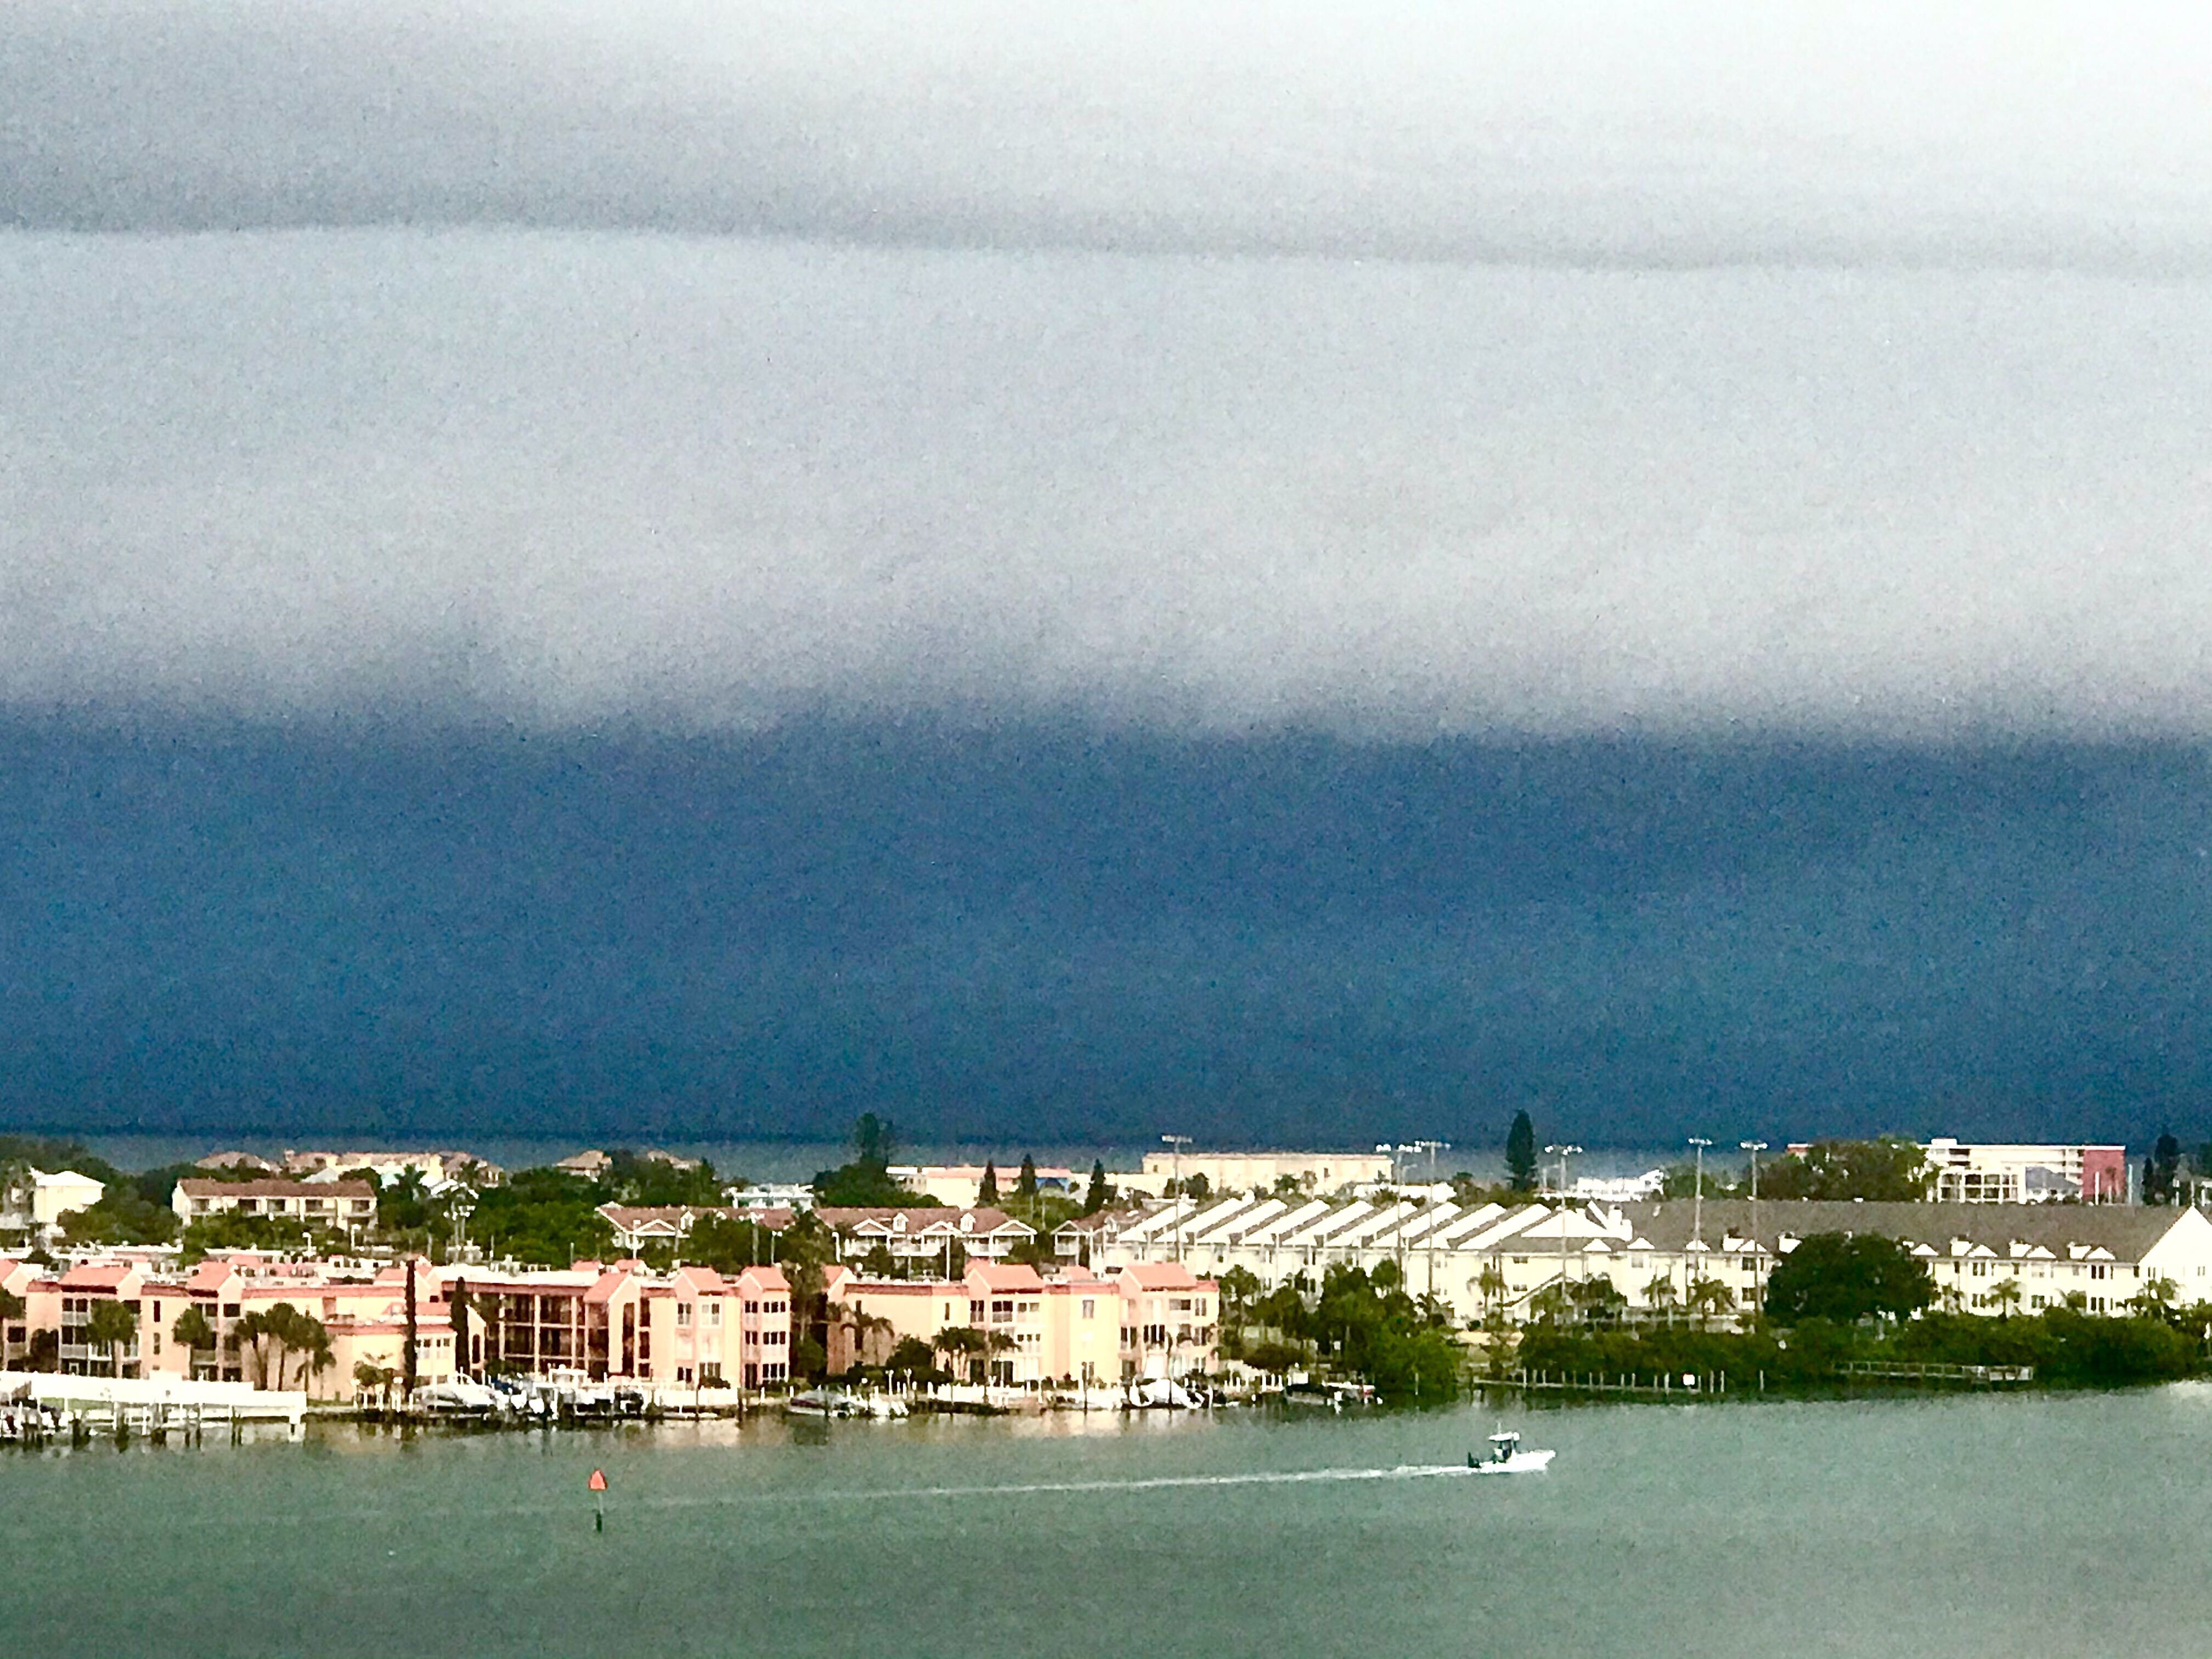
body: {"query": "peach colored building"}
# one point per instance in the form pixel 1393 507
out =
pixel 694 1327
pixel 1168 1320
pixel 1075 1326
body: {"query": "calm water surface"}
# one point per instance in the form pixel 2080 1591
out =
pixel 2068 1526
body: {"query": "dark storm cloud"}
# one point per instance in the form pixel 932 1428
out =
pixel 1054 934
pixel 1595 132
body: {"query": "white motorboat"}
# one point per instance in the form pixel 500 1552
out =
pixel 1506 1456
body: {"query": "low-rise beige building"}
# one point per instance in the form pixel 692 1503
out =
pixel 336 1204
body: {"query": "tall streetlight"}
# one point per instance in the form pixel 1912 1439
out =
pixel 1698 1203
pixel 1565 1152
pixel 1176 1143
pixel 1432 1147
pixel 1758 1251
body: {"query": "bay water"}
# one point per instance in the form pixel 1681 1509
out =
pixel 2059 1525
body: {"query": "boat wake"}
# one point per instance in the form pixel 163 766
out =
pixel 1160 1483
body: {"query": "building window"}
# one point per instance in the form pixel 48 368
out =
pixel 1091 1307
pixel 682 1313
pixel 713 1313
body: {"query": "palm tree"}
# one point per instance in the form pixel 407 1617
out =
pixel 2157 1295
pixel 1239 1288
pixel 1490 1283
pixel 1708 1297
pixel 369 1375
pixel 194 1333
pixel 1550 1303
pixel 2005 1294
pixel 961 1342
pixel 1659 1292
pixel 859 1327
pixel 113 1326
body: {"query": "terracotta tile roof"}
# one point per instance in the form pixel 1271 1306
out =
pixel 1012 1276
pixel 96 1276
pixel 1159 1276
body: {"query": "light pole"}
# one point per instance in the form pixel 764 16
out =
pixel 1432 1147
pixel 1176 1143
pixel 1698 1203
pixel 1758 1251
pixel 1565 1152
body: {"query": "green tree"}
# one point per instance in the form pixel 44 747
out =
pixel 2005 1294
pixel 273 1337
pixel 1101 1194
pixel 1885 1169
pixel 2162 1172
pixel 1521 1154
pixel 113 1326
pixel 373 1379
pixel 545 1217
pixel 867 1179
pixel 195 1334
pixel 12 1309
pixel 1707 1297
pixel 1845 1277
pixel 807 1250
pixel 1490 1284
pixel 121 1217
pixel 1659 1292
pixel 965 1346
pixel 913 1357
pixel 986 1190
pixel 1239 1288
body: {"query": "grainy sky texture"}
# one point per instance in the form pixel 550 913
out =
pixel 1493 398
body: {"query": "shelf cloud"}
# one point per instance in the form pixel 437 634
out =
pixel 1593 131
pixel 1398 369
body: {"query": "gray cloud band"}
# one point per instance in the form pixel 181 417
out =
pixel 704 482
pixel 1058 463
pixel 1596 133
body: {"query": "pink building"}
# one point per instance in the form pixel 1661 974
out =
pixel 1074 1325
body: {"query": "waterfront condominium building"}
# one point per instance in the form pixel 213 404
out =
pixel 1150 1322
pixel 331 1204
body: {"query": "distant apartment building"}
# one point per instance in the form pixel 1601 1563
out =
pixel 963 1184
pixel 1998 1173
pixel 36 1204
pixel 330 1203
pixel 690 1328
pixel 1238 1172
pixel 636 1225
pixel 919 1235
pixel 438 1170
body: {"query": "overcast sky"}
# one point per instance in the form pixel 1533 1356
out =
pixel 1678 373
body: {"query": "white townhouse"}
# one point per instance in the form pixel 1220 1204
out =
pixel 1497 1258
